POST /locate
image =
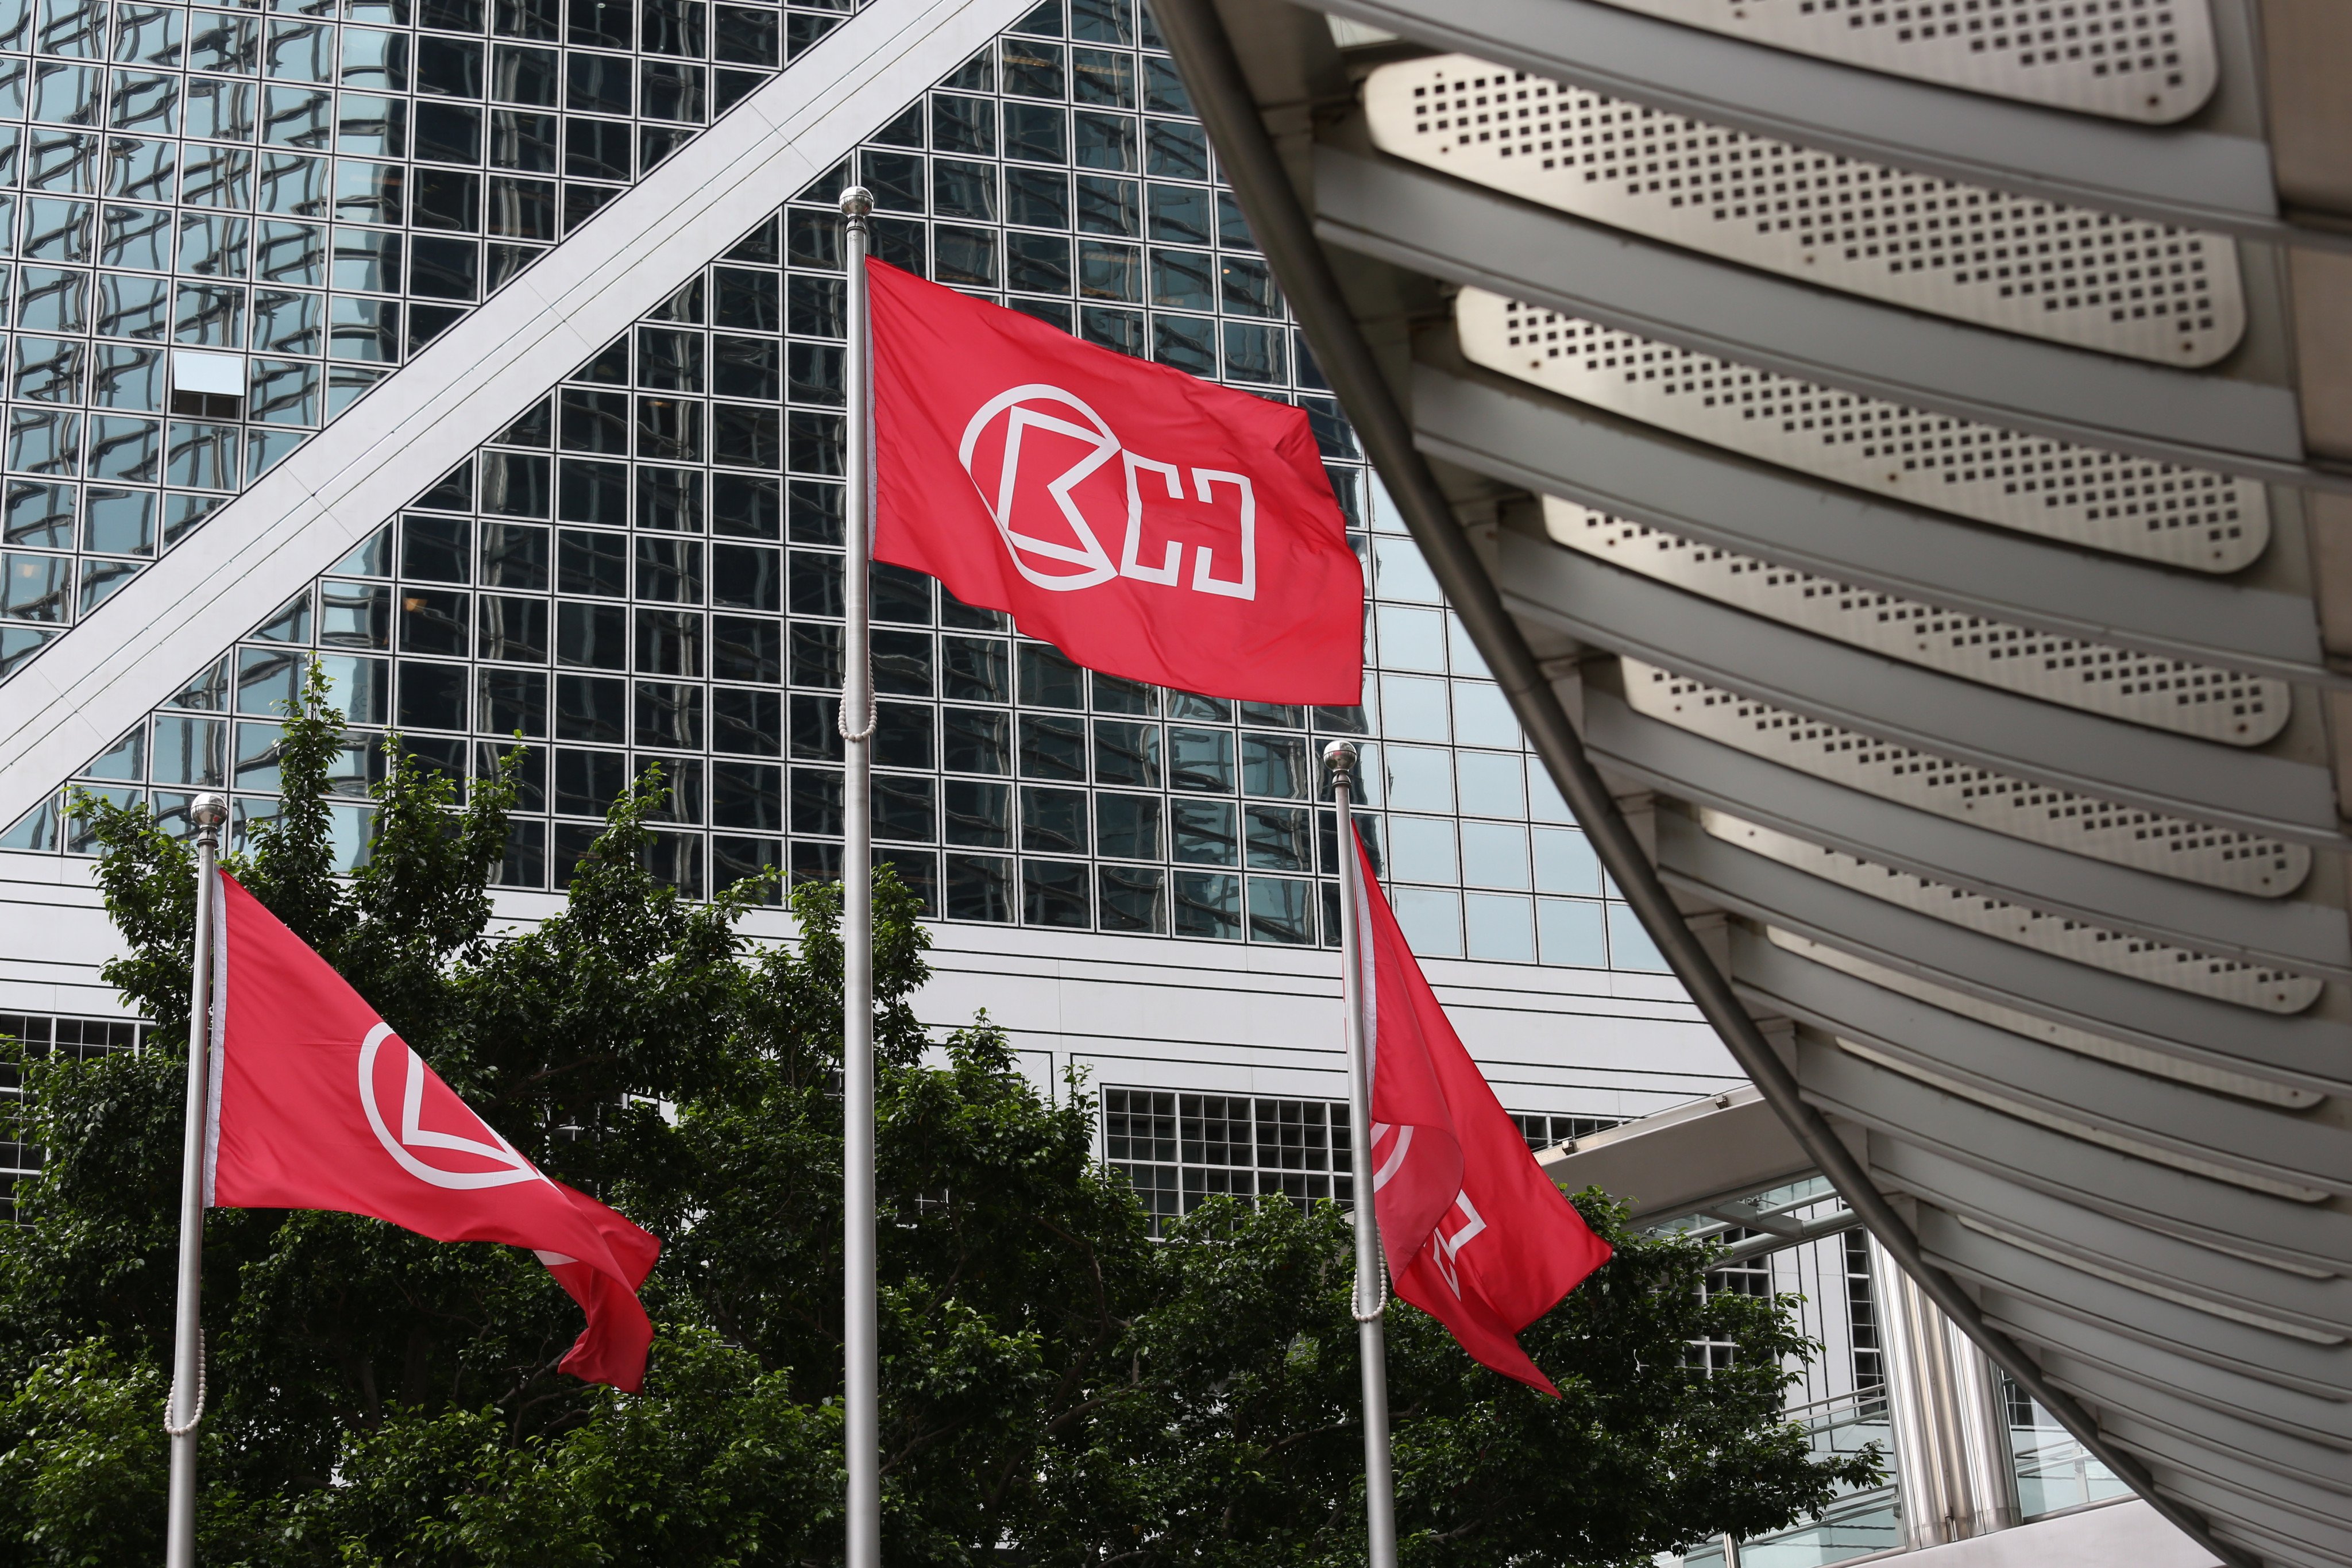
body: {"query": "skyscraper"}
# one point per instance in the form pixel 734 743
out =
pixel 241 236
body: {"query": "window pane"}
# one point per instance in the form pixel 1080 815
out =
pixel 1572 933
pixel 1053 893
pixel 1499 928
pixel 1207 905
pixel 1630 946
pixel 979 888
pixel 1495 855
pixel 1279 910
pixel 1131 898
pixel 1127 826
pixel 1430 918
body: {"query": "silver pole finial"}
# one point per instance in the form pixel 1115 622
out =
pixel 856 202
pixel 209 811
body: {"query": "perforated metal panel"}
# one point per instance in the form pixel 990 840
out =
pixel 2117 284
pixel 2162 693
pixel 2080 824
pixel 2128 59
pixel 2102 499
pixel 2141 1059
pixel 2119 953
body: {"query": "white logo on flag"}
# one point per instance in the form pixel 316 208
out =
pixel 1446 1248
pixel 1397 1151
pixel 512 1166
pixel 1038 407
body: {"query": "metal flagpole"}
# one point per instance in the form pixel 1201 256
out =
pixel 862 1422
pixel 1371 1277
pixel 188 1403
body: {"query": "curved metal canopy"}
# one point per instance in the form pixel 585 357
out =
pixel 2130 1191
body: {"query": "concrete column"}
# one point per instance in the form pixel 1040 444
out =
pixel 1951 1442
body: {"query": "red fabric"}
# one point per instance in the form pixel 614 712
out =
pixel 317 1104
pixel 1476 1234
pixel 1147 523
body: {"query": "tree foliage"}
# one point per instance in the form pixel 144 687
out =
pixel 1060 1388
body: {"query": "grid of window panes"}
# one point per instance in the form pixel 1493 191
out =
pixel 1545 1131
pixel 1861 1312
pixel 1484 858
pixel 43 1036
pixel 1179 1150
pixel 646 567
pixel 1843 1263
pixel 227 226
pixel 2053 1470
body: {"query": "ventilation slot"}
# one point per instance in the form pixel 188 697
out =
pixel 2078 824
pixel 2141 689
pixel 2140 1058
pixel 2150 60
pixel 2118 952
pixel 2073 275
pixel 2105 501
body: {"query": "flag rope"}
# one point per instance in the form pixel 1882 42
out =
pixel 1379 1308
pixel 873 712
pixel 196 1412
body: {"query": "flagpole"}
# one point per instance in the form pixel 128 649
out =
pixel 188 1402
pixel 1371 1286
pixel 861 1422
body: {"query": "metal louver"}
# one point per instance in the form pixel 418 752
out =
pixel 2119 953
pixel 2069 274
pixel 2140 1058
pixel 2162 693
pixel 2091 1132
pixel 2082 824
pixel 2149 60
pixel 2059 489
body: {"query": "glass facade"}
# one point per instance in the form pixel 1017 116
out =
pixel 1543 1131
pixel 232 224
pixel 43 1036
pixel 1177 1149
pixel 227 226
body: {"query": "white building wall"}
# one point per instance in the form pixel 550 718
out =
pixel 1150 1011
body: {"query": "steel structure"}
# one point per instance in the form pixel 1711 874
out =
pixel 1893 462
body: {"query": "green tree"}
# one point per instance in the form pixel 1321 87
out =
pixel 1060 1388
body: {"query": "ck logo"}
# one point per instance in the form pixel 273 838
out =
pixel 487 1161
pixel 1159 500
pixel 1445 1245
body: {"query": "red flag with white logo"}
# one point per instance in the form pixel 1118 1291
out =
pixel 1148 523
pixel 317 1104
pixel 1476 1234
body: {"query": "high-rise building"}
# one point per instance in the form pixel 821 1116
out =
pixel 451 346
pixel 1894 456
pixel 243 235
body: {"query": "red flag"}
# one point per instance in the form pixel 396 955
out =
pixel 1147 523
pixel 1476 1234
pixel 317 1104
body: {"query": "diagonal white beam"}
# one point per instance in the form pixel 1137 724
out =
pixel 92 684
